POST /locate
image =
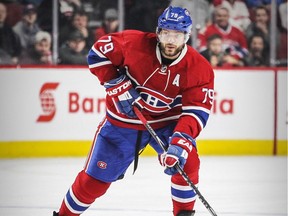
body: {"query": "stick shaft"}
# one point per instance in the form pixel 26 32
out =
pixel 179 169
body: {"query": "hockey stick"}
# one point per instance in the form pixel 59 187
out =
pixel 177 166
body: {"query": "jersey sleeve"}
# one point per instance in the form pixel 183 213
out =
pixel 106 56
pixel 197 100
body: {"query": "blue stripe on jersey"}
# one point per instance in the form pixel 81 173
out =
pixel 94 58
pixel 73 203
pixel 183 194
pixel 202 115
pixel 177 101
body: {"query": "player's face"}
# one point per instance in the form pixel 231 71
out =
pixel 171 42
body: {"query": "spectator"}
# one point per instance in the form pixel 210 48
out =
pixel 66 10
pixel 14 12
pixel 74 51
pixel 283 34
pixel 5 58
pixel 142 15
pixel 216 2
pixel 261 26
pixel 217 56
pixel 110 24
pixel 239 14
pixel 40 52
pixel 258 54
pixel 79 22
pixel 203 11
pixel 27 28
pixel 45 16
pixel 253 4
pixel 214 52
pixel 234 40
pixel 68 7
pixel 9 42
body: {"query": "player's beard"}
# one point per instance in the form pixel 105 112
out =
pixel 170 50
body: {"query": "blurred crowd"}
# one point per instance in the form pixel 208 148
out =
pixel 230 33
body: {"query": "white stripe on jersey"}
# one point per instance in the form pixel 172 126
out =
pixel 70 208
pixel 76 200
pixel 98 53
pixel 98 64
pixel 181 187
pixel 183 200
pixel 84 205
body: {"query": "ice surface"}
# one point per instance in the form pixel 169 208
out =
pixel 233 186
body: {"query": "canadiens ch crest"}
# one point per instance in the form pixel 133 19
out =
pixel 156 102
pixel 102 164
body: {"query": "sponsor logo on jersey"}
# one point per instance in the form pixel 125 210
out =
pixel 47 102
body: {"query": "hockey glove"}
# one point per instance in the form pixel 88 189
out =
pixel 181 145
pixel 123 95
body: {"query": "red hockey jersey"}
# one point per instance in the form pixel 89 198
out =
pixel 232 38
pixel 181 91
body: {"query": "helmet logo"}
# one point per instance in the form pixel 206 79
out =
pixel 175 17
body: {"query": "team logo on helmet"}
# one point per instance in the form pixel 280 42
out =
pixel 175 18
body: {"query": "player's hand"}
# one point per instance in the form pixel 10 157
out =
pixel 123 95
pixel 181 145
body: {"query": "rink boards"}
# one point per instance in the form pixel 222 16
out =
pixel 55 112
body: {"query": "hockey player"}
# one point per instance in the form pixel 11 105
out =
pixel 172 85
